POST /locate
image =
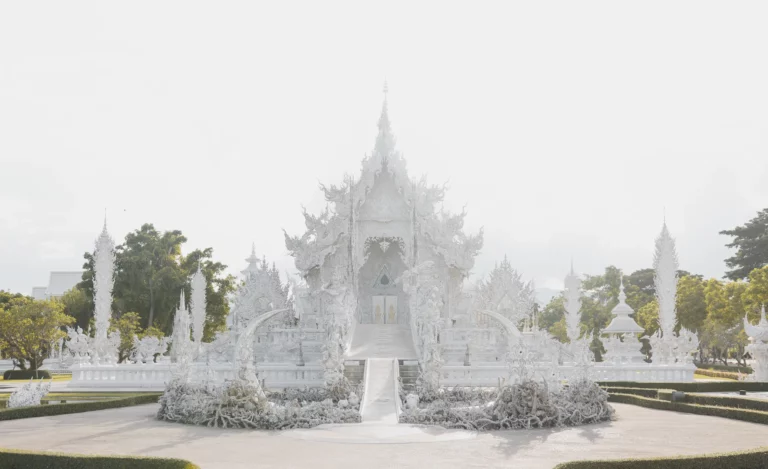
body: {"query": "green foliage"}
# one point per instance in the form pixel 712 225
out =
pixel 755 293
pixel 75 407
pixel 26 374
pixel 639 288
pixel 151 272
pixel 17 459
pixel 28 328
pixel 128 324
pixel 749 459
pixel 751 243
pixel 78 305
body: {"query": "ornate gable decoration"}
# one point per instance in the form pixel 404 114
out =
pixel 506 293
pixel 441 232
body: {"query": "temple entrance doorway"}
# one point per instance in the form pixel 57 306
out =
pixel 380 296
pixel 384 309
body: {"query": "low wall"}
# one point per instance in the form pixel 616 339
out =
pixel 490 374
pixel 154 376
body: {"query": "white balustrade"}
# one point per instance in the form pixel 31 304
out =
pixel 154 376
pixel 484 375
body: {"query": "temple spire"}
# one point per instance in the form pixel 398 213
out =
pixel 253 263
pixel 385 141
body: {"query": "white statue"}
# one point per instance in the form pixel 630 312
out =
pixel 78 344
pixel 145 349
pixel 30 394
pixel 182 349
pixel 758 347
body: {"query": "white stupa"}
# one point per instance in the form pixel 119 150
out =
pixel 622 345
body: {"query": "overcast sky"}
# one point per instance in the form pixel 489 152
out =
pixel 566 128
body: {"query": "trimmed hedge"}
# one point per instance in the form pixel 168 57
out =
pixel 731 368
pixel 719 374
pixel 16 459
pixel 750 459
pixel 74 407
pixel 737 402
pixel 645 392
pixel 746 415
pixel 699 386
pixel 26 374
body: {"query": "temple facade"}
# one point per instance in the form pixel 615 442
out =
pixel 376 227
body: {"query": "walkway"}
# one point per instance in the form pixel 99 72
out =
pixel 379 405
pixel 638 432
pixel 382 341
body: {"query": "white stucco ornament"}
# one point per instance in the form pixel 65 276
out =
pixel 30 394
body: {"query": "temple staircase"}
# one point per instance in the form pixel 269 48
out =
pixel 383 347
pixel 381 341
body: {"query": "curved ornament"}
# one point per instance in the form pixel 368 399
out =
pixel 244 347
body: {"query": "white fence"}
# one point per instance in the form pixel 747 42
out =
pixel 491 374
pixel 154 376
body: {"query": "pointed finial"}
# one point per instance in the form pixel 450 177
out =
pixel 386 89
pixel 182 302
pixel 572 265
pixel 622 295
pixel 253 249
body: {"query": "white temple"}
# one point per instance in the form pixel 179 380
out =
pixel 384 281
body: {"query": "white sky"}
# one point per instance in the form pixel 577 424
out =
pixel 566 127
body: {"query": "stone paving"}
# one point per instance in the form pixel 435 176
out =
pixel 637 432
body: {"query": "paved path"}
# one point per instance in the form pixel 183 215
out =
pixel 379 396
pixel 637 432
pixel 381 341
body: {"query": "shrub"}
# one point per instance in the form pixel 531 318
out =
pixel 719 374
pixel 700 386
pixel 652 393
pixel 746 415
pixel 73 408
pixel 731 368
pixel 26 374
pixel 16 459
pixel 749 459
pixel 719 401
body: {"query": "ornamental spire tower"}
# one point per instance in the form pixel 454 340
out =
pixel 253 263
pixel 572 305
pixel 198 305
pixel 103 282
pixel 665 280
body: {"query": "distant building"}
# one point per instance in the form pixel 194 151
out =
pixel 58 284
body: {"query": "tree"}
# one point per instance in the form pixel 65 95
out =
pixel 756 292
pixel 751 243
pixel 29 328
pixel 151 272
pixel 639 288
pixel 691 304
pixel 601 295
pixel 722 330
pixel 78 305
pixel 128 324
